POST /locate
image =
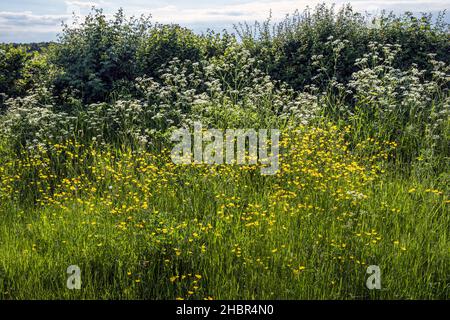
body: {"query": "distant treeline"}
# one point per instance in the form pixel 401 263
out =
pixel 30 47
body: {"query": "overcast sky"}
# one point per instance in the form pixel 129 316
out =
pixel 40 20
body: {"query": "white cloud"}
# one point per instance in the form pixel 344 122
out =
pixel 27 21
pixel 231 13
pixel 211 15
pixel 259 10
pixel 82 4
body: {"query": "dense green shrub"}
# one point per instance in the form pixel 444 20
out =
pixel 100 58
pixel 99 55
pixel 289 49
pixel 12 63
pixel 418 37
pixel 164 43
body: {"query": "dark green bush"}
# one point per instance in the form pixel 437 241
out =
pixel 166 42
pixel 100 59
pixel 12 63
pixel 320 45
pixel 98 55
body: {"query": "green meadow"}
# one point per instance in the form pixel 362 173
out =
pixel 87 178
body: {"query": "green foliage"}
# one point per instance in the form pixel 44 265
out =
pixel 100 59
pixel 404 106
pixel 289 49
pixel 85 175
pixel 417 36
pixel 12 63
pixel 99 55
pixel 165 42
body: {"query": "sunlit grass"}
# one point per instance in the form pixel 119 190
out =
pixel 140 227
